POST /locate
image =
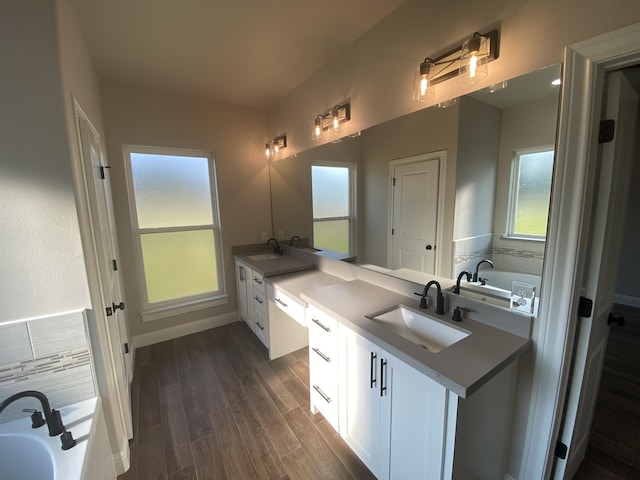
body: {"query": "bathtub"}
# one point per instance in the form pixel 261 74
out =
pixel 503 279
pixel 498 290
pixel 28 454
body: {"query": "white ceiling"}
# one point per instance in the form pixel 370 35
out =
pixel 244 52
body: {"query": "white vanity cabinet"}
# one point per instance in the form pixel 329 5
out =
pixel 323 365
pixel 244 286
pixel 391 415
pixel 260 312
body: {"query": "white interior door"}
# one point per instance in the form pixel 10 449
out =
pixel 616 160
pixel 103 226
pixel 414 215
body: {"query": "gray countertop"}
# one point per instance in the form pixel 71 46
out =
pixel 462 367
pixel 275 266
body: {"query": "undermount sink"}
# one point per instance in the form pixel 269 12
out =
pixel 258 257
pixel 424 330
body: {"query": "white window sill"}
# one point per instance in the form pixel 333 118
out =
pixel 523 239
pixel 179 309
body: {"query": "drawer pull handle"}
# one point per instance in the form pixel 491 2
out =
pixel 383 381
pixel 322 394
pixel 322 355
pixel 257 299
pixel 319 323
pixel 257 280
pixel 259 325
pixel 281 303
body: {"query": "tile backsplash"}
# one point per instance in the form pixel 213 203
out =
pixel 49 354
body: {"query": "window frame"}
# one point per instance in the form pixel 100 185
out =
pixel 513 193
pixel 168 308
pixel 352 169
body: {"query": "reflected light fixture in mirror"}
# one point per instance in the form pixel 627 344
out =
pixel 331 122
pixel 468 62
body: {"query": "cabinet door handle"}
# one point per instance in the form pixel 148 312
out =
pixel 322 394
pixel 259 326
pixel 258 281
pixel 257 299
pixel 383 382
pixel 372 377
pixel 322 355
pixel 319 323
pixel 281 303
pixel 241 269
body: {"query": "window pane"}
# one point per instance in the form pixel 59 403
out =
pixel 332 235
pixel 171 191
pixel 179 264
pixel 330 186
pixel 534 189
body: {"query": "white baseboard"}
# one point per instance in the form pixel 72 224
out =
pixel 627 300
pixel 182 330
pixel 508 477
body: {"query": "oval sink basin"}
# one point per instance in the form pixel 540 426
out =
pixel 263 256
pixel 424 330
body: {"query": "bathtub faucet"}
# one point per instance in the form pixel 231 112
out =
pixel 475 275
pixel 52 417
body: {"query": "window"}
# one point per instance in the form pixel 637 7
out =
pixel 333 217
pixel 173 202
pixel 530 193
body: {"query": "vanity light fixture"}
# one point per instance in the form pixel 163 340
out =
pixel 331 122
pixel 468 62
pixel 273 148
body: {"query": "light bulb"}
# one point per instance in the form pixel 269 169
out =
pixel 473 65
pixel 425 82
pixel 474 59
pixel 267 149
pixel 335 119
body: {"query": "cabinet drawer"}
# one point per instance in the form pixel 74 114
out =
pixel 326 403
pixel 323 332
pixel 286 303
pixel 260 300
pixel 258 282
pixel 261 326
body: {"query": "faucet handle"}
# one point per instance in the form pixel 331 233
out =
pixel 457 313
pixel 37 419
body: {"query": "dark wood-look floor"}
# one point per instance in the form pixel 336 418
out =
pixel 613 452
pixel 212 406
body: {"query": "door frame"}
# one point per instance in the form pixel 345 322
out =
pixel 440 155
pixel 585 66
pixel 107 370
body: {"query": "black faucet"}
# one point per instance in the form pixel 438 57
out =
pixel 439 297
pixel 277 249
pixel 475 275
pixel 53 418
pixel 462 274
pixel 295 237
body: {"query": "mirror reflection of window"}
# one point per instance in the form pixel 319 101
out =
pixel 532 171
pixel 333 213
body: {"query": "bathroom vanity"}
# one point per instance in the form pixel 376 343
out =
pixel 412 403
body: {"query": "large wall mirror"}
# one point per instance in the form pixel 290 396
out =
pixel 440 189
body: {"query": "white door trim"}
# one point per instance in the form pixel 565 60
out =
pixel 423 157
pixel 106 367
pixel 573 183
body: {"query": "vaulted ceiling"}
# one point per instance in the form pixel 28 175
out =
pixel 243 52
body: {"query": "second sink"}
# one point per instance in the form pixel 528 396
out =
pixel 262 256
pixel 426 331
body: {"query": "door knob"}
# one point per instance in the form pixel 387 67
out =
pixel 428 247
pixel 617 320
pixel 118 306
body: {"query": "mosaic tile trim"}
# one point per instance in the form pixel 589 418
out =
pixel 473 256
pixel 30 369
pixel 518 253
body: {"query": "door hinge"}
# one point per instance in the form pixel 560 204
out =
pixel 607 131
pixel 126 347
pixel 561 450
pixel 585 307
pixel 102 176
pixel 393 231
pixel 115 264
pixel 109 311
pixel 393 181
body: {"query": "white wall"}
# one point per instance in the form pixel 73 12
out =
pixel 235 135
pixel 42 270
